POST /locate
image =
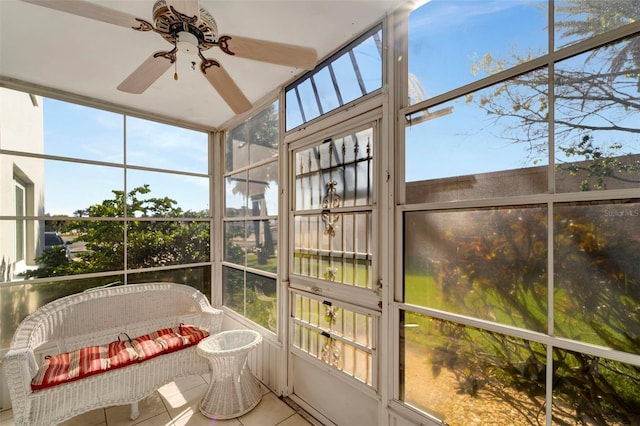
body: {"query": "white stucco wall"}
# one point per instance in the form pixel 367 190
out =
pixel 21 129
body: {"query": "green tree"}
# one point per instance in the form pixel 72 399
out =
pixel 597 280
pixel 494 267
pixel 150 243
pixel 53 263
pixel 596 101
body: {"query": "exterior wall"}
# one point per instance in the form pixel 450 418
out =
pixel 21 127
pixel 529 180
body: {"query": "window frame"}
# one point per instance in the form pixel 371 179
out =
pixel 21 224
pixel 247 219
pixel 198 272
pixel 326 64
pixel 550 199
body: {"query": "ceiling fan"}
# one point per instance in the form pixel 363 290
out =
pixel 191 30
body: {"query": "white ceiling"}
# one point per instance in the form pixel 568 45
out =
pixel 90 58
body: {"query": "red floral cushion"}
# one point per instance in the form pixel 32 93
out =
pixel 121 354
pixel 192 334
pixel 71 366
pixel 146 346
pixel 91 360
pixel 172 341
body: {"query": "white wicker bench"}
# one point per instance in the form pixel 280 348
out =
pixel 96 318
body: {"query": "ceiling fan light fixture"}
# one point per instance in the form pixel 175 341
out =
pixel 187 43
pixel 190 30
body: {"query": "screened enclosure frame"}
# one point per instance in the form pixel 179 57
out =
pixel 432 108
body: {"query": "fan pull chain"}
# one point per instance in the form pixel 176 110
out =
pixel 175 63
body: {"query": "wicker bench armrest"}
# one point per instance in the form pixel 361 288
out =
pixel 19 366
pixel 212 319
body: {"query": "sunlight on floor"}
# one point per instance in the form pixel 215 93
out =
pixel 176 404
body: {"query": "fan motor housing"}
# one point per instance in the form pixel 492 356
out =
pixel 203 27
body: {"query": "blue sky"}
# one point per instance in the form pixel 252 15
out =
pixel 446 38
pixel 446 35
pixel 91 134
pixel 452 33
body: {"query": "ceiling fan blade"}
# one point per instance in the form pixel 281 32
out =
pixel 186 7
pixel 145 75
pixel 227 89
pixel 272 52
pixel 89 10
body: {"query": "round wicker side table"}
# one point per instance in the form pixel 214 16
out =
pixel 233 390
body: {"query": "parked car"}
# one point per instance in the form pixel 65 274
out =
pixel 53 239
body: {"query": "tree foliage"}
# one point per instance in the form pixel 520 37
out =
pixel 596 99
pixel 150 243
pixel 495 267
pixel 596 300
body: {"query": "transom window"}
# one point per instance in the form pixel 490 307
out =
pixel 353 72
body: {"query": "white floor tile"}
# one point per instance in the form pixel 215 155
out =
pixel 177 401
pixel 149 407
pixel 91 418
pixel 162 419
pixel 182 384
pixel 270 411
pixel 191 416
pixel 176 404
pixel 6 418
pixel 295 420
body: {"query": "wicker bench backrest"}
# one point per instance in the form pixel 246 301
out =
pixel 114 310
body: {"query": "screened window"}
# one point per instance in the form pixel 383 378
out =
pixel 115 222
pixel 596 119
pixel 465 148
pixel 456 42
pixel 353 72
pixel 446 365
pixel 597 265
pixel 21 229
pixel 484 263
pixel 338 335
pixel 574 20
pixel 333 210
pixel 251 219
pixel 520 248
pixel 96 135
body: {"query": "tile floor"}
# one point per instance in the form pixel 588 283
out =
pixel 176 404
